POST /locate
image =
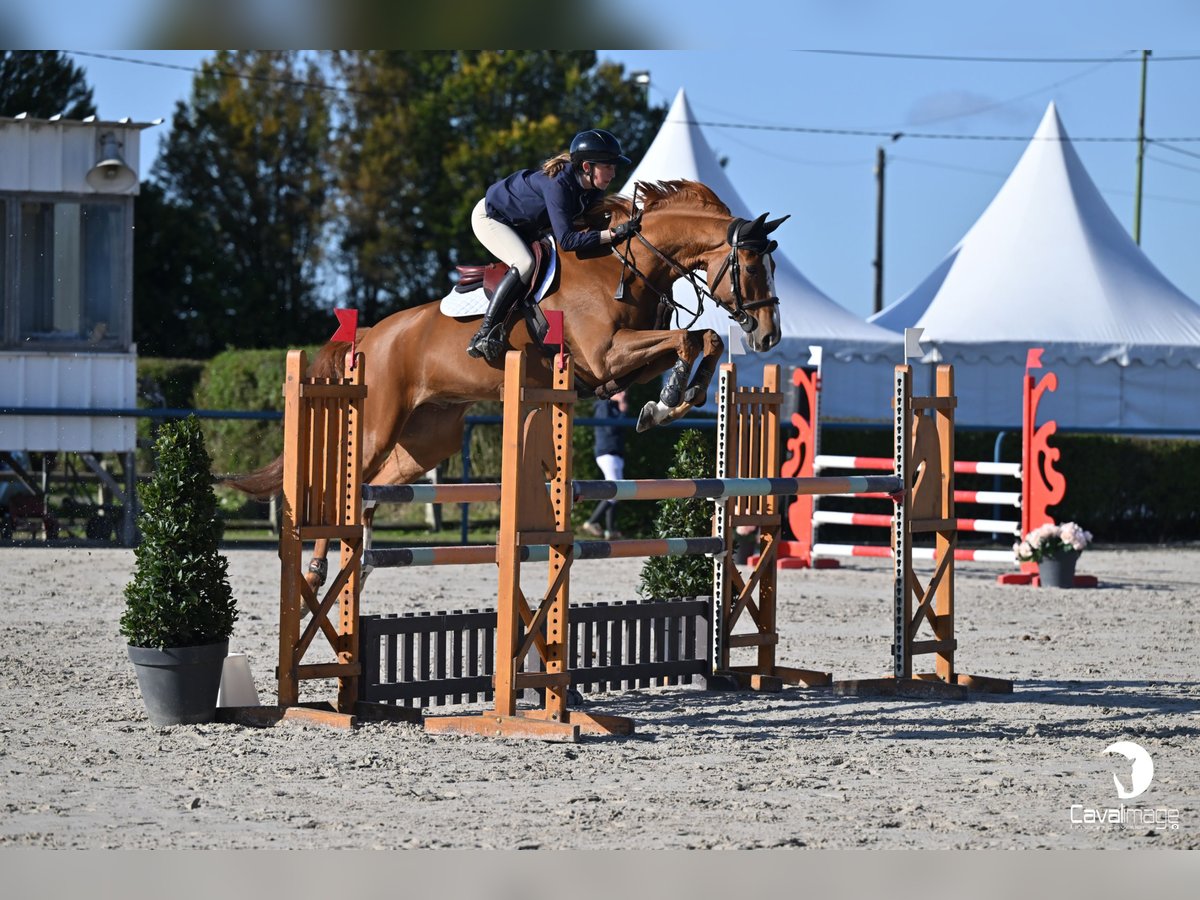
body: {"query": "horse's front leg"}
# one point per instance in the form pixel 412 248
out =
pixel 675 399
pixel 697 390
pixel 642 355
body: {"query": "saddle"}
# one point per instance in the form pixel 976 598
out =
pixel 489 275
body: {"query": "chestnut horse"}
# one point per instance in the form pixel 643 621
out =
pixel 421 382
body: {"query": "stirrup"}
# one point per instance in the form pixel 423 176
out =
pixel 485 345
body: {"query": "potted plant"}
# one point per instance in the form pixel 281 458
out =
pixel 1055 549
pixel 179 609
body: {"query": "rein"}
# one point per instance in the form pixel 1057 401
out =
pixel 741 310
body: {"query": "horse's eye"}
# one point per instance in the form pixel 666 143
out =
pixel 753 270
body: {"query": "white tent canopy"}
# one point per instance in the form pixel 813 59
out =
pixel 1048 265
pixel 858 356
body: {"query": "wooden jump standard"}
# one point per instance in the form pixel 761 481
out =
pixel 323 497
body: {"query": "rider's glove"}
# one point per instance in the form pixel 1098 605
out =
pixel 626 230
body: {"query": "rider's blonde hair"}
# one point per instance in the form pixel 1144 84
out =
pixel 556 164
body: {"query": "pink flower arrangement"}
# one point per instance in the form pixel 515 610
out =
pixel 1050 541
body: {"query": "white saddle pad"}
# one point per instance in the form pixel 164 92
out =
pixel 475 303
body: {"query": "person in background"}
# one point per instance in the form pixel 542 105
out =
pixel 610 457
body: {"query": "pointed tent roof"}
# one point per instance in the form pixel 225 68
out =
pixel 807 315
pixel 1049 264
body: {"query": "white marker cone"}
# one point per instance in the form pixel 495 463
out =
pixel 237 684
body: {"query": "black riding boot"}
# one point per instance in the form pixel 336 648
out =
pixel 489 339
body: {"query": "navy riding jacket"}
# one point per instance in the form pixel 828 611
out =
pixel 532 203
pixel 609 438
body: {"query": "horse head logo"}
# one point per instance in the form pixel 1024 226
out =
pixel 1143 768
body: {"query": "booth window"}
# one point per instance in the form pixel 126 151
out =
pixel 3 260
pixel 72 273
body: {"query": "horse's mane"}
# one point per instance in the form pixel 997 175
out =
pixel 654 195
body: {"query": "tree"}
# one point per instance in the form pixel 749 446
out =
pixel 175 280
pixel 43 83
pixel 423 134
pixel 243 175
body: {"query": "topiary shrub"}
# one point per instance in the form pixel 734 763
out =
pixel 682 576
pixel 179 595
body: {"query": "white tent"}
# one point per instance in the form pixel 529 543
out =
pixel 857 356
pixel 1049 265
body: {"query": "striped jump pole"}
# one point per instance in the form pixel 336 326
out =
pixel 1038 487
pixel 487 554
pixel 646 489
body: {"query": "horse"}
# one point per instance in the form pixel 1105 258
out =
pixel 421 382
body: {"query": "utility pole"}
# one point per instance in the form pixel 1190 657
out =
pixel 880 164
pixel 1141 157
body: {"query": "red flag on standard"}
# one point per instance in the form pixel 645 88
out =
pixel 554 333
pixel 347 330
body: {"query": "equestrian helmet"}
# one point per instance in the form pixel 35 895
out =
pixel 597 145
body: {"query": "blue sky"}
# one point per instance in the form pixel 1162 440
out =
pixel 936 188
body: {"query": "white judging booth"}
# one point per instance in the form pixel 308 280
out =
pixel 67 190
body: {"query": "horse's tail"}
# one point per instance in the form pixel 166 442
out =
pixel 268 480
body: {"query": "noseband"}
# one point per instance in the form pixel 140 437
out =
pixel 739 237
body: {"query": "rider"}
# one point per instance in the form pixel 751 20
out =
pixel 519 209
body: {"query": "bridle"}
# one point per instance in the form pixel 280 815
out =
pixel 742 234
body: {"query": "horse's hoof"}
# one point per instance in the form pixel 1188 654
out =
pixel 646 418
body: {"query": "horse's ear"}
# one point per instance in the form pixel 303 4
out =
pixel 758 223
pixel 775 223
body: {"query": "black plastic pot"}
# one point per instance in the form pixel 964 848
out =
pixel 179 684
pixel 1058 571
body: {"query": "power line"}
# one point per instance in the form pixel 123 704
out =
pixel 1004 175
pixel 1173 165
pixel 1159 142
pixel 1161 161
pixel 798 129
pixel 230 73
pixel 1025 96
pixel 895 135
pixel 940 57
pixel 939 165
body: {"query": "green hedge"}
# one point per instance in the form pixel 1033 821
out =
pixel 1131 489
pixel 243 380
pixel 174 379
